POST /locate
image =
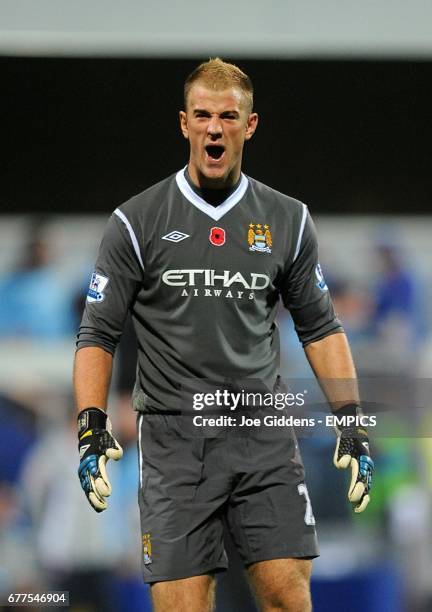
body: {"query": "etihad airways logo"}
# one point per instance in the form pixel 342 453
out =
pixel 203 282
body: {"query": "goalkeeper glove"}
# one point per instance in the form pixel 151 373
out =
pixel 96 445
pixel 352 450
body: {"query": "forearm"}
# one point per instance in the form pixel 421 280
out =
pixel 332 363
pixel 92 377
pixel 333 366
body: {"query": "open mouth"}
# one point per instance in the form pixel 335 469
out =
pixel 215 151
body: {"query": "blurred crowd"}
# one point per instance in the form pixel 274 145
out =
pixel 50 537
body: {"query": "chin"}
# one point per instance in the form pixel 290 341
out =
pixel 214 174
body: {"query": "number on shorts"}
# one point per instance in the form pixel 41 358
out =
pixel 309 518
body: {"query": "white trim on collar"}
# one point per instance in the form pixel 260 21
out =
pixel 215 212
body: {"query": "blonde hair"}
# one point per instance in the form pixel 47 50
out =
pixel 218 75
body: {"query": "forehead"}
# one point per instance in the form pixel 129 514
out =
pixel 216 100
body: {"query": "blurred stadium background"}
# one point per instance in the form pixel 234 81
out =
pixel 89 117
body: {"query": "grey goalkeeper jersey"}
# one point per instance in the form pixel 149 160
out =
pixel 203 285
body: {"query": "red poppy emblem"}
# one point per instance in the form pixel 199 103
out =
pixel 217 236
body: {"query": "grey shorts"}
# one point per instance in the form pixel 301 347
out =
pixel 190 487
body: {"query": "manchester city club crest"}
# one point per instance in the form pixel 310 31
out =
pixel 147 549
pixel 259 238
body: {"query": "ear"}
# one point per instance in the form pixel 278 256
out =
pixel 251 125
pixel 184 124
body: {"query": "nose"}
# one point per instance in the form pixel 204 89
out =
pixel 214 128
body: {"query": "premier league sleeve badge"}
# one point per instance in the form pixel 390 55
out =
pixel 95 293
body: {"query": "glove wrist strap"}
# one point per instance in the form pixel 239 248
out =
pixel 91 418
pixel 348 410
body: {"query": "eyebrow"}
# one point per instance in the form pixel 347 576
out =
pixel 230 112
pixel 197 111
pixel 200 110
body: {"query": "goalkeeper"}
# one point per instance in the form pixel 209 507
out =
pixel 202 260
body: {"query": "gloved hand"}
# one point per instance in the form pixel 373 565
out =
pixel 352 450
pixel 96 445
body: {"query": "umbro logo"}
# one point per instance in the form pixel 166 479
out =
pixel 175 236
pixel 83 449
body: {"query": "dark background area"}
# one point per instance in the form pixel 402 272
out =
pixel 83 135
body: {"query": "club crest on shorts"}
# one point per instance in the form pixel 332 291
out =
pixel 97 285
pixel 147 549
pixel 217 236
pixel 260 238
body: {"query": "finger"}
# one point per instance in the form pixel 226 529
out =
pixel 102 487
pixel 97 504
pixel 102 484
pixel 363 504
pixel 357 492
pixel 114 453
pixel 95 498
pixel 340 462
pixel 356 488
pixel 343 462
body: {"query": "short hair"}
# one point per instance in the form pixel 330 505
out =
pixel 217 74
